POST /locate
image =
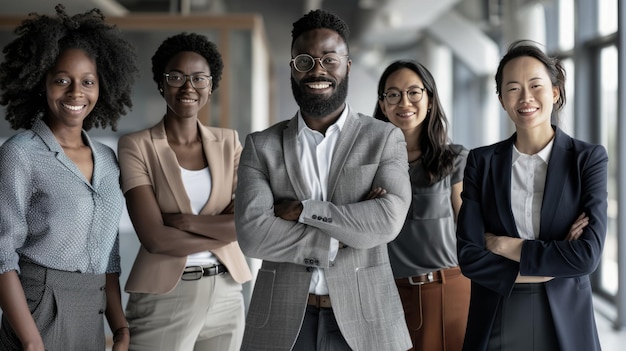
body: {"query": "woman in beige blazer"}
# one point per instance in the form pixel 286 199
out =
pixel 179 178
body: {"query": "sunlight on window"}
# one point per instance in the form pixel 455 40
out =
pixel 567 114
pixel 566 24
pixel 607 17
pixel 608 117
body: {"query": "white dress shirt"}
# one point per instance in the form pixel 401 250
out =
pixel 315 152
pixel 528 180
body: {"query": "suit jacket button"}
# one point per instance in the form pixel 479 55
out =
pixel 314 217
pixel 307 261
pixel 330 220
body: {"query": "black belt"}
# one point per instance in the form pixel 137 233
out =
pixel 197 272
pixel 430 277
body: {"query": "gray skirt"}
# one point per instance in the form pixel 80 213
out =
pixel 67 307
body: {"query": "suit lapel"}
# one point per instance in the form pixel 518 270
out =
pixel 169 165
pixel 214 153
pixel 348 137
pixel 556 178
pixel 292 162
pixel 501 176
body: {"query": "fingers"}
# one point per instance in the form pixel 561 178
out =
pixel 577 228
pixel 376 193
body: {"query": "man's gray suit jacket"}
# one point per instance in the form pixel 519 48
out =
pixel 369 154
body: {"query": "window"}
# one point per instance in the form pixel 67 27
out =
pixel 608 132
pixel 607 17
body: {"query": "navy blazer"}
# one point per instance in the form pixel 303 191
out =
pixel 576 182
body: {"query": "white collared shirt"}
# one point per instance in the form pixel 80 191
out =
pixel 528 180
pixel 315 152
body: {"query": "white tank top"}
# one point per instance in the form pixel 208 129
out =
pixel 198 187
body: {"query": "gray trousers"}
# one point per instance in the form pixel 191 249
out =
pixel 67 307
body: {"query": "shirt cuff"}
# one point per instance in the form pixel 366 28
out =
pixel 301 218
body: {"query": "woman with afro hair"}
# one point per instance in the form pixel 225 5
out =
pixel 60 200
pixel 179 178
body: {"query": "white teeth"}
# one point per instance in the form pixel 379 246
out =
pixel 527 110
pixel 406 114
pixel 187 100
pixel 318 85
pixel 73 108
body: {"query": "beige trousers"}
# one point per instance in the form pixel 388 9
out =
pixel 200 315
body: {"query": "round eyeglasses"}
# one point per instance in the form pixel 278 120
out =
pixel 394 96
pixel 198 81
pixel 305 62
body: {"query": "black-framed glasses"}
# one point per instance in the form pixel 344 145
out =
pixel 198 81
pixel 305 62
pixel 393 96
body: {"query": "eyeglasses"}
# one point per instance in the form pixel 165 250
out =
pixel 393 96
pixel 198 81
pixel 305 62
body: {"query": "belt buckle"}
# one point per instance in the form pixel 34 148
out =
pixel 198 272
pixel 429 279
pixel 217 270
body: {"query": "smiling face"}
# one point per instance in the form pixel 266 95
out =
pixel 318 92
pixel 527 93
pixel 72 89
pixel 406 115
pixel 186 101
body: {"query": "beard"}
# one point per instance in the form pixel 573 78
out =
pixel 313 105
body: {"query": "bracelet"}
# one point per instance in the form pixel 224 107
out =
pixel 119 331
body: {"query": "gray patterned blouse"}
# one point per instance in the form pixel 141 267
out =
pixel 50 214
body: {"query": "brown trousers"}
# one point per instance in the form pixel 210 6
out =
pixel 436 310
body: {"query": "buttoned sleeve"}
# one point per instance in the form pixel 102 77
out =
pixel 366 224
pixel 373 154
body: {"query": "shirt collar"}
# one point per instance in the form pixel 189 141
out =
pixel 337 125
pixel 544 153
pixel 40 128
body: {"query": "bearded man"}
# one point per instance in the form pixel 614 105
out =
pixel 318 198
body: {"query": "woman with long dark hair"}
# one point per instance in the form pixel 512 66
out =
pixel 434 293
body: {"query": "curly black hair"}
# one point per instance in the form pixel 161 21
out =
pixel 194 42
pixel 41 39
pixel 316 19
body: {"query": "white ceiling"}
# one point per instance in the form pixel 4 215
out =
pixel 376 25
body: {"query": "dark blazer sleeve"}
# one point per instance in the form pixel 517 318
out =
pixel 478 215
pixel 576 183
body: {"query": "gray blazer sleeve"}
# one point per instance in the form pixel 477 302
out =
pixel 366 224
pixel 264 177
